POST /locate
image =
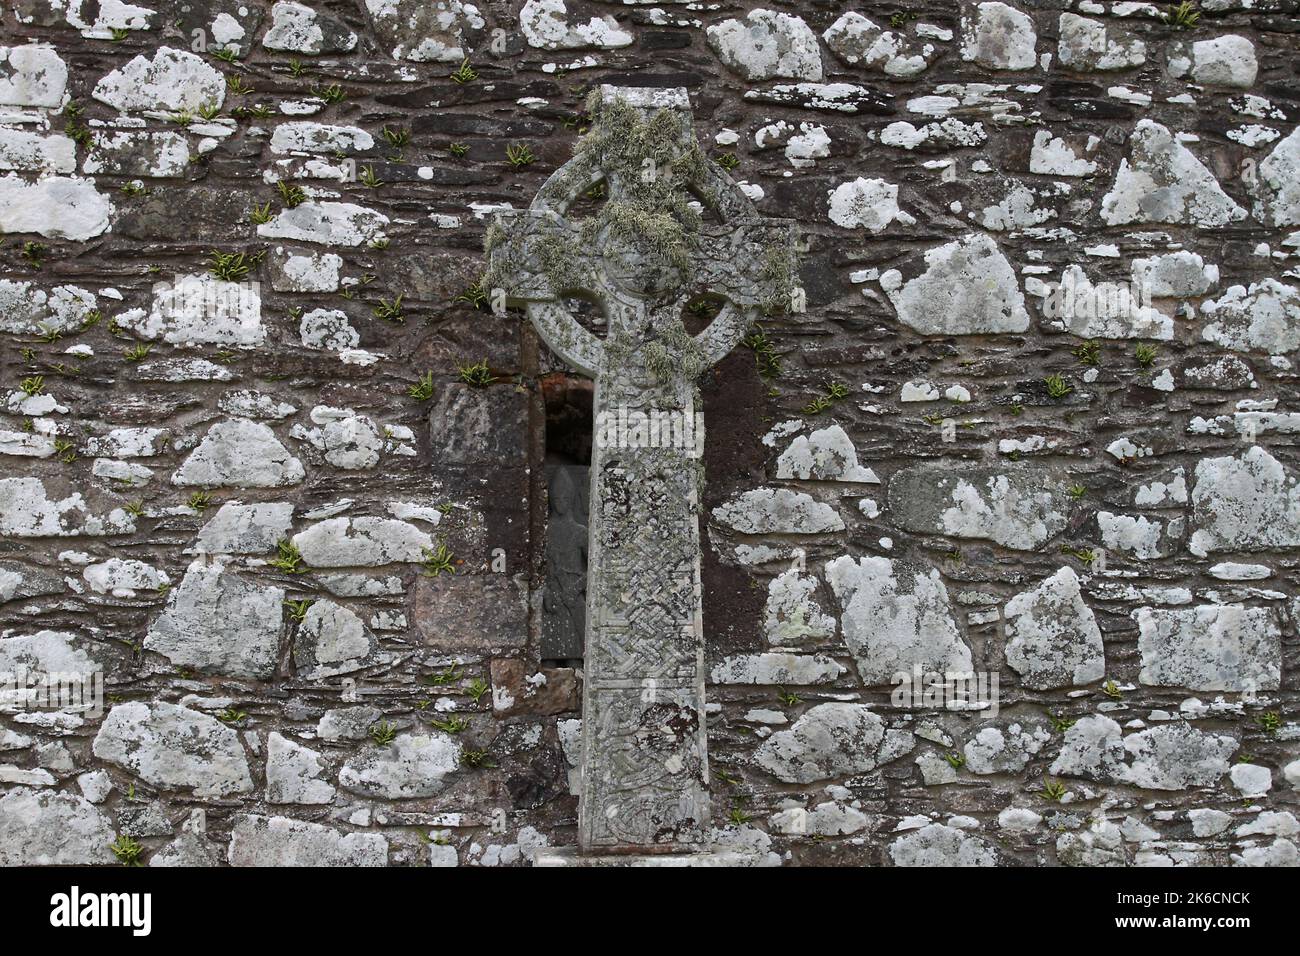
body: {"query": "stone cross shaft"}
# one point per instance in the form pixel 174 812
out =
pixel 666 229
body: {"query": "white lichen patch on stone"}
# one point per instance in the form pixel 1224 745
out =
pixel 320 138
pixel 124 577
pixel 34 152
pixel 1263 318
pixel 27 511
pixel 859 41
pixel 217 622
pixel 1277 184
pixel 767 45
pixel 26 309
pixel 331 640
pixel 968 288
pixel 32 74
pixel 413 765
pixel 1017 509
pixel 792 614
pixel 244 529
pixel 423 31
pixel 779 511
pixel 1093 45
pixel 998 36
pixel 826 454
pixel 1244 503
pixel 197 310
pixel 940 845
pixel 57 207
pixel 1161 181
pixel 172 81
pixel 896 618
pixel 280 841
pixel 129 153
pixel 546 26
pixel 296 28
pixel 1054 156
pixel 327 223
pixel 293 773
pixel 1225 647
pixel 1223 61
pixel 776 669
pixel 239 453
pixel 1052 635
pixel 361 542
pixel 173 747
pixel 870 204
pixel 832 740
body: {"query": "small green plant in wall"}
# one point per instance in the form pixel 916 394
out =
pixel 452 725
pixel 291 194
pixel 437 560
pixel 1183 16
pixel 288 558
pixel 477 688
pixel 383 732
pixel 464 73
pixel 519 155
pixel 1144 354
pixel 478 374
pixel 390 311
pixel 422 390
pixel 298 609
pixel 1269 721
pixel 1053 790
pixel 1057 386
pixel 127 850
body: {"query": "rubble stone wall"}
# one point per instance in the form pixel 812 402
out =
pixel 269 463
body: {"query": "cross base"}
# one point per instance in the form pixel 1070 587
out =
pixel 569 856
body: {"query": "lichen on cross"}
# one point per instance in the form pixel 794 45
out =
pixel 673 228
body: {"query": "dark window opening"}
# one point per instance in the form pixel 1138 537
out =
pixel 567 469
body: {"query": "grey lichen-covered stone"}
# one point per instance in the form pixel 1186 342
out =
pixel 1161 181
pixel 768 45
pixel 831 740
pixel 1176 756
pixel 328 223
pixel 778 510
pixel 546 26
pixel 197 310
pixel 994 750
pixel 413 765
pixel 361 542
pixel 792 614
pixel 244 529
pixel 27 309
pixel 28 511
pixel 776 669
pixel 859 41
pixel 870 204
pixel 1244 502
pixel 825 819
pixel 1052 635
pixel 1210 647
pixel 940 845
pixel 217 622
pixel 1222 61
pixel 280 841
pixel 347 724
pixel 896 618
pixel 130 153
pixel 825 455
pixel 998 36
pixel 44 652
pixel 1016 507
pixel 438 31
pixel 1093 749
pixel 1262 318
pixel 32 74
pixel 174 748
pixel 1277 185
pixel 1093 45
pixel 171 80
pixel 298 28
pixel 44 828
pixel 1101 844
pixel 293 773
pixel 239 453
pixel 57 207
pixel 331 640
pixel 968 288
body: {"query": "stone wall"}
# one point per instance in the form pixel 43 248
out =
pixel 269 461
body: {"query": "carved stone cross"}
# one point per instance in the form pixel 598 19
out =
pixel 673 230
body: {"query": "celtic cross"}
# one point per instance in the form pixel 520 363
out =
pixel 673 231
